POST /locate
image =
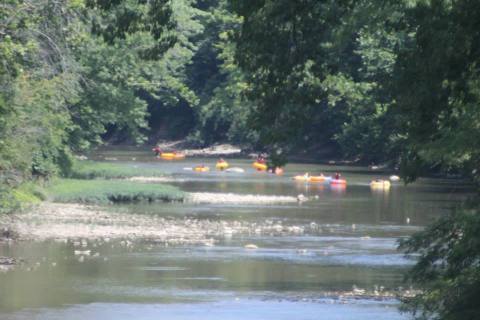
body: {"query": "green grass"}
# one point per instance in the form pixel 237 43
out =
pixel 107 170
pixel 111 191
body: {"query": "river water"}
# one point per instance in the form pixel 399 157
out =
pixel 332 257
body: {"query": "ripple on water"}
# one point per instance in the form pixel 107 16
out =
pixel 375 253
pixel 232 309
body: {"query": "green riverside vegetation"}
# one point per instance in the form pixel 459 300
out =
pixel 107 170
pixel 110 191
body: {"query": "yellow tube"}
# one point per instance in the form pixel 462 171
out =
pixel 222 165
pixel 259 166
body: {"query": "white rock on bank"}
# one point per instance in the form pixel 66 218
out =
pixel 232 198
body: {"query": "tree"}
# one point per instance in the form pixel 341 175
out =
pixel 447 269
pixel 222 114
pixel 56 93
pixel 437 87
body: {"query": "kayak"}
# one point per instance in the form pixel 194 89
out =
pixel 341 182
pixel 381 184
pixel 301 178
pixel 222 165
pixel 312 178
pixel 236 170
pixel 172 156
pixel 320 178
pixel 201 169
pixel 259 166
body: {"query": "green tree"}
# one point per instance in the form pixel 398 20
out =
pixel 222 114
pixel 447 270
pixel 437 87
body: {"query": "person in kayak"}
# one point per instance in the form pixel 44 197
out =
pixel 261 159
pixel 157 150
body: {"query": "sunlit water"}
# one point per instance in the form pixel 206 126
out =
pixel 332 257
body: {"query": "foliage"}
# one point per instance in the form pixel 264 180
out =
pixel 222 113
pixel 62 88
pixel 392 81
pixel 438 86
pixel 107 170
pixel 110 191
pixel 118 19
pixel 21 197
pixel 447 269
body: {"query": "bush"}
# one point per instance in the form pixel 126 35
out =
pixel 448 270
pixel 24 195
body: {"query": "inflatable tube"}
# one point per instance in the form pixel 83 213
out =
pixel 259 166
pixel 201 169
pixel 222 165
pixel 380 184
pixel 394 178
pixel 172 156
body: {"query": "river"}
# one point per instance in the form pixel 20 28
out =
pixel 332 257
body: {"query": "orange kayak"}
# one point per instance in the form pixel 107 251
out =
pixel 319 178
pixel 172 156
pixel 201 169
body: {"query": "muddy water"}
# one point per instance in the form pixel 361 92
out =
pixel 332 257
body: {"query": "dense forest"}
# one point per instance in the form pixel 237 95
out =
pixel 374 81
pixel 388 81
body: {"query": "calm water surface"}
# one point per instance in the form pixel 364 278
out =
pixel 338 266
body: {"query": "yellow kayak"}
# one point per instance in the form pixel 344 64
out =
pixel 380 184
pixel 312 178
pixel 222 165
pixel 301 178
pixel 259 166
pixel 172 156
pixel 201 169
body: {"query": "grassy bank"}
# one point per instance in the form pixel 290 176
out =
pixel 110 191
pixel 107 170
